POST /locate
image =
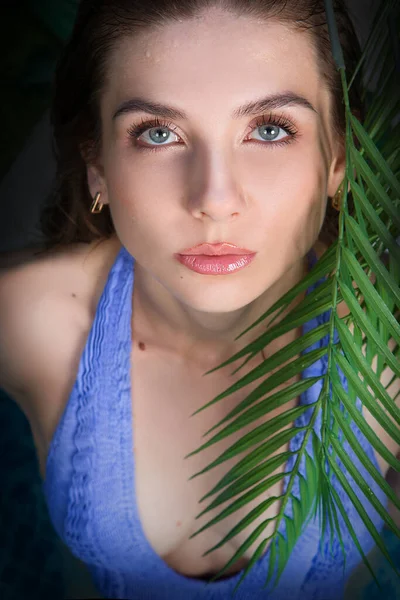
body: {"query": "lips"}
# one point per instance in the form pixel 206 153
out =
pixel 215 265
pixel 219 249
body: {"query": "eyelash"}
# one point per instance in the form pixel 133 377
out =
pixel 280 121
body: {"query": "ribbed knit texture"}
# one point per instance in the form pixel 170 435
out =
pixel 90 480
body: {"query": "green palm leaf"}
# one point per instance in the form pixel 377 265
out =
pixel 367 245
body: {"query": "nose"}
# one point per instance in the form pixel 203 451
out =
pixel 215 191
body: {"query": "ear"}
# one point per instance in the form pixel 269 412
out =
pixel 94 173
pixel 96 182
pixel 337 169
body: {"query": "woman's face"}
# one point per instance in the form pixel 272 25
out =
pixel 211 177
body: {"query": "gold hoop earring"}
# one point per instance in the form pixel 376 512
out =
pixel 337 199
pixel 94 209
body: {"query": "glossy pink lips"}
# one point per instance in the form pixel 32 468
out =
pixel 215 265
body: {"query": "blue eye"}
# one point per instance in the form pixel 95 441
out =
pixel 158 134
pixel 271 132
pixel 156 128
pixel 271 128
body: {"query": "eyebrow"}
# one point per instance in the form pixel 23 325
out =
pixel 254 107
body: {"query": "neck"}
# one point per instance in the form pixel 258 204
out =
pixel 204 340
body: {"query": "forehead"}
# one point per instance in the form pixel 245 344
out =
pixel 216 58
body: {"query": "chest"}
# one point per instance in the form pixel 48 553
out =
pixel 164 432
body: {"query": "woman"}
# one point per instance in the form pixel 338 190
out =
pixel 176 124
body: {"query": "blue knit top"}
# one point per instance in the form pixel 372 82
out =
pixel 90 480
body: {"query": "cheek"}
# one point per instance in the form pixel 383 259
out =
pixel 288 185
pixel 136 191
pixel 153 175
pixel 309 194
pixel 293 202
pixel 306 229
pixel 141 198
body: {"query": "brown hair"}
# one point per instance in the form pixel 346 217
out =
pixel 79 80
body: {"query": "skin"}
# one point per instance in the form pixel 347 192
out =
pixel 215 178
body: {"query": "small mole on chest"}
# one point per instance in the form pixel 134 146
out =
pixel 142 346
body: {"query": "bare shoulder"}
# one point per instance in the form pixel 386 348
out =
pixel 47 304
